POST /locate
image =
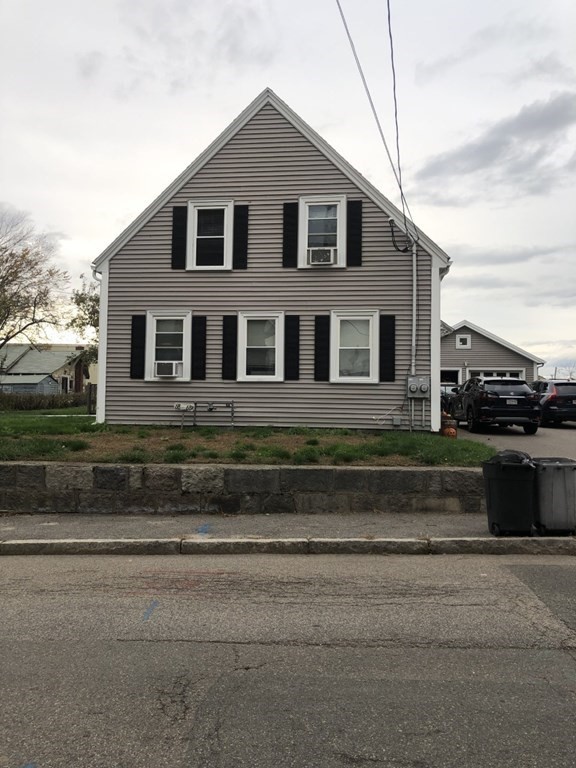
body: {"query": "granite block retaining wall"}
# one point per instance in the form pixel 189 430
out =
pixel 225 489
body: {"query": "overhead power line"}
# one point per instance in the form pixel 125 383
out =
pixel 397 172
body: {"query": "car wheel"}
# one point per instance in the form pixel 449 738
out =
pixel 473 424
pixel 530 429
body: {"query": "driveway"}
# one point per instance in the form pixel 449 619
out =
pixel 548 441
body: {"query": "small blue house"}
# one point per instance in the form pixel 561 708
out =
pixel 46 369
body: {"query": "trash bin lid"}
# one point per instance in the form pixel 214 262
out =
pixel 510 457
pixel 555 461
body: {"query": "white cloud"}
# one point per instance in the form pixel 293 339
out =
pixel 527 152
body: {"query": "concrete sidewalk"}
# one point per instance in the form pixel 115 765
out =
pixel 260 534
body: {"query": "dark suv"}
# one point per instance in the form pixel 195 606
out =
pixel 496 400
pixel 557 400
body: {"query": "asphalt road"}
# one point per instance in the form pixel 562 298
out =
pixel 278 662
pixel 548 441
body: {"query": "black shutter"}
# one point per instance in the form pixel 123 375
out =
pixel 137 346
pixel 291 348
pixel 322 348
pixel 198 347
pixel 354 234
pixel 229 347
pixel 290 235
pixel 240 241
pixel 387 348
pixel 179 228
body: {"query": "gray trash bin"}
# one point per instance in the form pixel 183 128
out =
pixel 509 485
pixel 556 495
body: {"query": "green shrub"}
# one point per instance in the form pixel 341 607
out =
pixel 175 456
pixel 76 445
pixel 345 454
pixel 12 401
pixel 273 452
pixel 307 455
pixel 237 455
pixel 136 455
pixel 258 432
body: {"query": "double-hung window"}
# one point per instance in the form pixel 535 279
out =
pixel 322 231
pixel 210 234
pixel 354 346
pixel 261 346
pixel 168 345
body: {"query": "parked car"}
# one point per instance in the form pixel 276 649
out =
pixel 496 400
pixel 446 394
pixel 557 400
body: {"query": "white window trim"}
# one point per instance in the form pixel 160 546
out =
pixel 193 207
pixel 303 203
pixel 168 314
pixel 467 337
pixel 354 314
pixel 278 318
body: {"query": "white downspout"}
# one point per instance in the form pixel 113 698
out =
pixel 414 308
pixel 435 347
pixel 414 323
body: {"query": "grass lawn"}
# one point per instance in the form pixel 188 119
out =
pixel 40 436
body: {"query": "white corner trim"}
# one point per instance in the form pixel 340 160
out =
pixel 102 346
pixel 435 348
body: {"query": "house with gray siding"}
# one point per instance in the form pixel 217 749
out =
pixel 45 369
pixel 271 283
pixel 468 350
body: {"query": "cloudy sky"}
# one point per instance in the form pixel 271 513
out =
pixel 104 103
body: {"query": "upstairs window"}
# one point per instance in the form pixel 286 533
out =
pixel 210 234
pixel 463 341
pixel 322 231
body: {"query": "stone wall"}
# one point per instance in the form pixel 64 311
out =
pixel 226 489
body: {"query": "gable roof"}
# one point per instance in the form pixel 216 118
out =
pixel 41 359
pixel 497 339
pixel 269 97
pixel 11 353
pixel 13 379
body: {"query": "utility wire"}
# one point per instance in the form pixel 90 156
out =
pixel 397 174
pixel 393 68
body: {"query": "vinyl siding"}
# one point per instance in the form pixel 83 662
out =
pixel 484 354
pixel 267 163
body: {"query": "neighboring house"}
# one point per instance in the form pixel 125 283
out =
pixel 468 350
pixel 42 368
pixel 266 275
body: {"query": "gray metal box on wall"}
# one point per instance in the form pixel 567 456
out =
pixel 418 386
pixel 556 489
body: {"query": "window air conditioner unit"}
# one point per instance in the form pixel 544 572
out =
pixel 166 370
pixel 321 256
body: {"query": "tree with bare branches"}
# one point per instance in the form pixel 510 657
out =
pixel 85 318
pixel 30 285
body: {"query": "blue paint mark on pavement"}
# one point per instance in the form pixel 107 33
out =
pixel 148 612
pixel 30 765
pixel 203 528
